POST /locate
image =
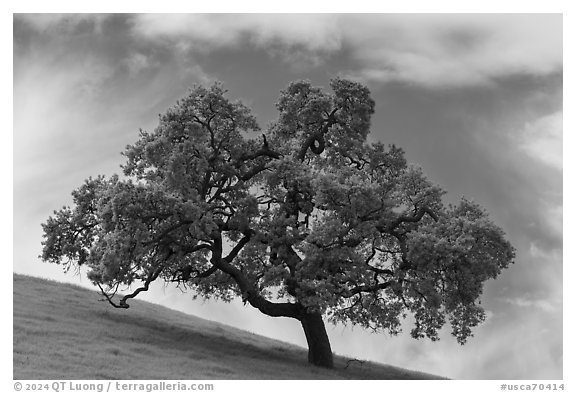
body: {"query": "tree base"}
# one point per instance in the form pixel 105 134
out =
pixel 319 350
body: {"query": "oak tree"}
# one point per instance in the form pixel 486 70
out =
pixel 304 220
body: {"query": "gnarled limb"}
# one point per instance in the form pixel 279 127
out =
pixel 250 292
pixel 318 137
pixel 417 216
pixel 122 303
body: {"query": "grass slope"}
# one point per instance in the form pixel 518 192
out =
pixel 62 331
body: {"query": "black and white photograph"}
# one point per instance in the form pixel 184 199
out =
pixel 288 196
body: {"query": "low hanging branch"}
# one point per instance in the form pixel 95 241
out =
pixel 144 288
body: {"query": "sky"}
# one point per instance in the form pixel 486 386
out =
pixel 475 99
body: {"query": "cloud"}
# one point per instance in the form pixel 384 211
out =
pixel 61 22
pixel 430 50
pixel 455 50
pixel 75 108
pixel 137 62
pixel 542 139
pixel 548 296
pixel 541 304
pixel 210 31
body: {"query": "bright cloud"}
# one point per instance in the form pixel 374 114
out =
pixel 455 50
pixel 430 50
pixel 549 297
pixel 542 139
pixel 542 304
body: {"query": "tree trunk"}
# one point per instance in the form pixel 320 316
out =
pixel 319 350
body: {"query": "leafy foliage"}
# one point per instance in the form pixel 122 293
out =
pixel 307 217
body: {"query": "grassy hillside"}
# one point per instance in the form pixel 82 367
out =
pixel 63 332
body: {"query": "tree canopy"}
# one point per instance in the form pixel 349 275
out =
pixel 303 218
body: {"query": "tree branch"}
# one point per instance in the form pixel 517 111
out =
pixel 265 151
pixel 198 247
pixel 417 216
pixel 122 303
pixel 144 288
pixel 238 247
pixel 401 237
pixel 249 290
pixel 109 297
pixel 252 172
pixel 317 137
pixel 369 288
pixel 158 238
